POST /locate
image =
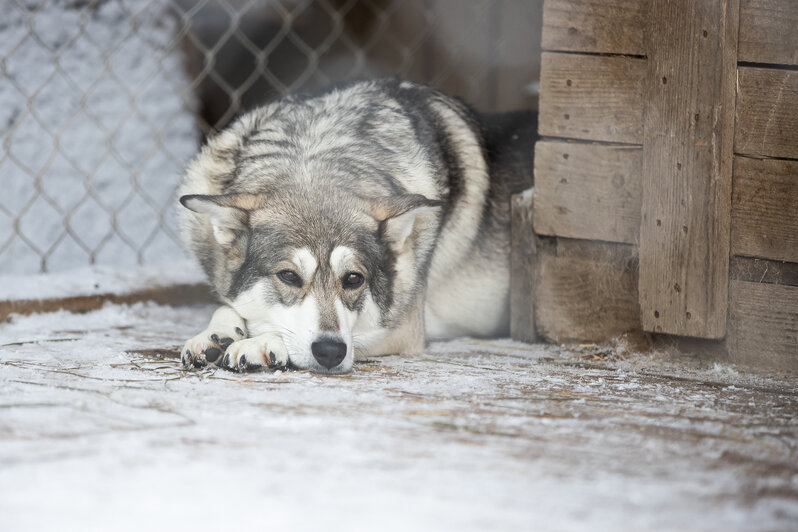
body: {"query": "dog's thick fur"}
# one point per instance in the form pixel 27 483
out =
pixel 358 221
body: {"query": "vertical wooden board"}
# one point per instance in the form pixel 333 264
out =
pixel 599 26
pixel 523 268
pixel 589 191
pixel 586 291
pixel 764 219
pixel 381 37
pixel 462 51
pixel 763 324
pixel 518 54
pixel 767 112
pixel 687 166
pixel 769 31
pixel 592 97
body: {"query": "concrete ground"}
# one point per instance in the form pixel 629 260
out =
pixel 100 429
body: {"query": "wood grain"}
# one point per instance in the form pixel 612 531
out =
pixel 768 31
pixel 586 291
pixel 523 269
pixel 589 191
pixel 763 324
pixel 600 26
pixel 687 167
pixel 592 97
pixel 767 112
pixel 763 271
pixel 765 208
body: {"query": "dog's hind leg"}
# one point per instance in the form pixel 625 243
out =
pixel 226 327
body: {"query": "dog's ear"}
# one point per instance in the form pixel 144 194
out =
pixel 399 213
pixel 229 213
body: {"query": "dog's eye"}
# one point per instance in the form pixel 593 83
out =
pixel 289 277
pixel 352 280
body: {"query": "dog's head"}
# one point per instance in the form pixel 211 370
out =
pixel 326 270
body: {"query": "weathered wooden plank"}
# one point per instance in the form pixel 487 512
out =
pixel 763 324
pixel 517 59
pixel 765 208
pixel 687 166
pixel 592 97
pixel 767 112
pixel 590 191
pixel 586 291
pixel 768 31
pixel 523 268
pixel 763 271
pixel 601 26
pixel 460 26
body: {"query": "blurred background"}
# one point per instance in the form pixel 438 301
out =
pixel 102 102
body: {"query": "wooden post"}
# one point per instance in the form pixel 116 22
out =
pixel 523 268
pixel 689 96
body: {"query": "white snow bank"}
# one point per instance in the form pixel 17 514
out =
pixel 96 280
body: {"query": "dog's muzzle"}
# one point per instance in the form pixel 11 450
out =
pixel 328 352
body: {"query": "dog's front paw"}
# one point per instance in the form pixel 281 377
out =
pixel 209 346
pixel 266 350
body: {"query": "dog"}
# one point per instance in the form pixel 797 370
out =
pixel 362 220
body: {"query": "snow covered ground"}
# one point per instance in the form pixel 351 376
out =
pixel 100 429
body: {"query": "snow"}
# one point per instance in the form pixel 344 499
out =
pixel 97 280
pixel 97 124
pixel 528 193
pixel 100 429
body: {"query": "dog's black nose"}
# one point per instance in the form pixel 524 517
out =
pixel 329 353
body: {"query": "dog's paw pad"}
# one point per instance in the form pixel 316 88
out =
pixel 212 353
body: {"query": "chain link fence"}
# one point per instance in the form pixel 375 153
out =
pixel 102 102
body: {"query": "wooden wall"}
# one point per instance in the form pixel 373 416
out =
pixel 670 137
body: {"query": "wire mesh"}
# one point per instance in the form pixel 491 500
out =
pixel 102 102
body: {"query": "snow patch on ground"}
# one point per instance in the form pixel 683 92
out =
pixel 97 280
pixel 100 425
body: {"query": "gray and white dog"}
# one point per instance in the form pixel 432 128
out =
pixel 359 221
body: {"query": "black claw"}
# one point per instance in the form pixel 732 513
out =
pixel 211 354
pixel 215 338
pixel 273 364
pixel 225 342
pixel 198 363
pixel 242 362
pixel 239 331
pixel 187 358
pixel 226 361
